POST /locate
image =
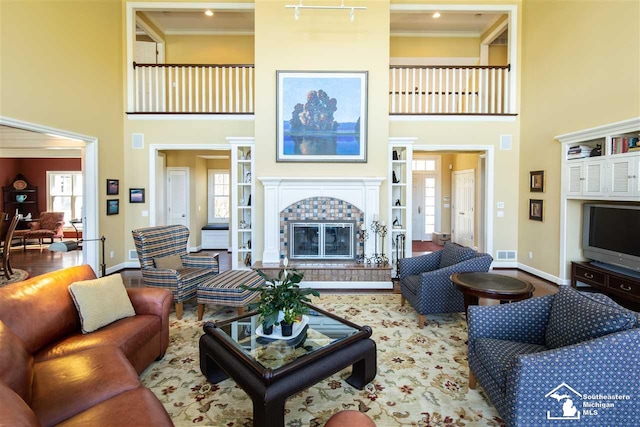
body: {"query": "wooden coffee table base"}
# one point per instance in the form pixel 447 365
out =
pixel 491 286
pixel 269 397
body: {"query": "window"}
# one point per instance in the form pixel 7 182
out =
pixel 219 186
pixel 426 165
pixel 64 194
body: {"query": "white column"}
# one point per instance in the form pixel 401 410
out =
pixel 271 252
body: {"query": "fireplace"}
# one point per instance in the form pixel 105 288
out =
pixel 325 213
pixel 322 240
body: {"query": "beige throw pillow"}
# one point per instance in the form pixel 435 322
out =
pixel 101 301
pixel 172 262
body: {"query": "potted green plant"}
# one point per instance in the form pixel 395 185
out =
pixel 281 295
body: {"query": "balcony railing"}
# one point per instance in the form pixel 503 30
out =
pixel 229 89
pixel 194 88
pixel 449 90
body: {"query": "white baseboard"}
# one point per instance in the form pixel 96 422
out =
pixel 504 264
pixel 543 275
pixel 346 285
pixel 116 268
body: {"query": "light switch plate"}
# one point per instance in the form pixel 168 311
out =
pixel 500 214
pixel 500 205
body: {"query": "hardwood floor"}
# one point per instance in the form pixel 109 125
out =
pixel 38 260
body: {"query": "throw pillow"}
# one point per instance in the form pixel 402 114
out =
pixel 577 316
pixel 101 301
pixel 454 253
pixel 169 262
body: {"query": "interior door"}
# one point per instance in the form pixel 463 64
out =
pixel 178 196
pixel 417 216
pixel 463 209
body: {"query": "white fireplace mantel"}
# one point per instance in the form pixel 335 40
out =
pixel 280 192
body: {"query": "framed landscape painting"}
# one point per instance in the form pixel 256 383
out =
pixel 321 116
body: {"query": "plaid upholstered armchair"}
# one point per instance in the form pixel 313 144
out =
pixel 425 280
pixel 165 263
pixel 557 358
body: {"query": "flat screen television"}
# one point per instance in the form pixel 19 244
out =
pixel 611 235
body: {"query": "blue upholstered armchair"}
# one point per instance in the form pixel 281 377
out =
pixel 425 280
pixel 165 263
pixel 555 358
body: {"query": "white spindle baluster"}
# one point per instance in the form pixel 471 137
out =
pixel 209 72
pixel 440 82
pixel 170 89
pixel 196 92
pixel 433 91
pixel 237 109
pixel 183 93
pixel 163 89
pixel 446 92
pixel 156 90
pixel 499 92
pixel 243 73
pixel 413 90
pixel 493 90
pixel 217 75
pixel 224 89
pixel 251 108
pixel 190 86
pixel 466 90
pixel 485 107
pixel 474 99
pixel 143 104
pixel 507 106
pixel 136 75
pixel 393 90
pixel 460 88
pixel 400 87
pixel 420 86
pixel 406 91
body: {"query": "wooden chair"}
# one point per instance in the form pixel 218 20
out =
pixel 6 248
pixel 49 225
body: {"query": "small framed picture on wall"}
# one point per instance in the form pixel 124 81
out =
pixel 113 187
pixel 536 181
pixel 113 207
pixel 136 195
pixel 536 208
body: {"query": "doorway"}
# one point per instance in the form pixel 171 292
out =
pixel 88 148
pixel 452 157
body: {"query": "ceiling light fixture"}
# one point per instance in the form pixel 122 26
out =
pixel 351 9
pixel 436 15
pixel 208 12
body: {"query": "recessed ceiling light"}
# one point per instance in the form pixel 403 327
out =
pixel 436 15
pixel 208 12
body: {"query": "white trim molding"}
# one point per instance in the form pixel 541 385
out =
pixel 280 192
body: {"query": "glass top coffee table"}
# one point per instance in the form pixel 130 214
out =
pixel 270 371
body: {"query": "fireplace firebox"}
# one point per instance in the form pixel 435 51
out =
pixel 322 240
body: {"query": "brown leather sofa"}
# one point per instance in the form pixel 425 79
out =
pixel 52 374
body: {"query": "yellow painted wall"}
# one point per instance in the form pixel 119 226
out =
pixel 498 55
pixel 580 70
pixel 439 47
pixel 326 40
pixel 209 49
pixel 62 66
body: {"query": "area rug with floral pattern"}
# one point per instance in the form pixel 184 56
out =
pixel 422 377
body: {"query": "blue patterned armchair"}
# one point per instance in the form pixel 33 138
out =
pixel 555 358
pixel 165 263
pixel 425 281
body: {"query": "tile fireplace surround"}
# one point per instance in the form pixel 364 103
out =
pixel 295 198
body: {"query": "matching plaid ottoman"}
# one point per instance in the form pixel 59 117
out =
pixel 224 289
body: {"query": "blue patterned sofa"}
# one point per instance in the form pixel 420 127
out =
pixel 165 262
pixel 425 280
pixel 551 359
